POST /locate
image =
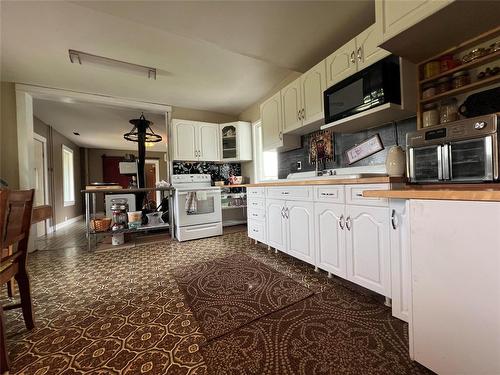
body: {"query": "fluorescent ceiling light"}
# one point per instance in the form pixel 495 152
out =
pixel 83 58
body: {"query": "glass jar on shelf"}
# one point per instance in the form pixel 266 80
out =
pixel 430 115
pixel 443 85
pixel 448 111
pixel 428 90
pixel 460 79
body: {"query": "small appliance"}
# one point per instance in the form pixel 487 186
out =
pixel 460 151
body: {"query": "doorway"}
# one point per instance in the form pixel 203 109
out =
pixel 40 179
pixel 152 171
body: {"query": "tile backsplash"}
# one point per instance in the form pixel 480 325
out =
pixel 218 171
pixel 287 161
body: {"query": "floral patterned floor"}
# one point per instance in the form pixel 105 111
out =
pixel 121 312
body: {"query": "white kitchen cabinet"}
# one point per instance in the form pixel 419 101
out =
pixel 330 238
pixel 276 224
pixel 400 258
pixel 300 230
pixel 367 46
pixel 208 142
pixel 194 140
pixel 313 83
pixel 272 126
pixel 184 140
pixel 236 142
pixel 368 247
pixel 396 16
pixel 291 103
pixel 455 274
pixel 341 63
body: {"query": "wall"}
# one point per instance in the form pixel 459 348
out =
pixel 55 141
pixel 9 170
pixel 287 161
pixel 199 115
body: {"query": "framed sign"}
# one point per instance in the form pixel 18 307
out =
pixel 366 148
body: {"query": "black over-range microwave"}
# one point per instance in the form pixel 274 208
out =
pixel 375 85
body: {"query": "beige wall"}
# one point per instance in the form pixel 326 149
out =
pixel 55 165
pixel 198 115
pixel 9 169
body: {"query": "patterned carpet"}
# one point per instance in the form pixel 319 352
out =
pixel 121 311
pixel 227 293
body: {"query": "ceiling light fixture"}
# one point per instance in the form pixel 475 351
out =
pixel 82 58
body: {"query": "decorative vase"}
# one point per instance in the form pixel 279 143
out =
pixel 395 162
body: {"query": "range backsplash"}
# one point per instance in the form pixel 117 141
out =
pixel 287 161
pixel 218 171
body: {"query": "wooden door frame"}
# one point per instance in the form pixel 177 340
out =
pixel 42 139
pixel 156 163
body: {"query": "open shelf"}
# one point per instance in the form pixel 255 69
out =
pixel 470 87
pixel 466 66
pixel 231 207
pixel 142 228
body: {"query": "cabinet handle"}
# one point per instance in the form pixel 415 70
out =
pixel 359 194
pixel 302 115
pixel 341 222
pixel 286 212
pixel 359 54
pixel 285 192
pixel 393 221
pixel 283 212
pixel 281 136
pixel 348 223
pixel 298 114
pixel 352 57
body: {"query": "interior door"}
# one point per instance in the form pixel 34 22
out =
pixel 330 238
pixel 40 179
pixel 208 142
pixel 368 247
pixel 368 51
pixel 341 64
pixel 313 83
pixel 276 224
pixel 291 103
pixel 300 231
pixel 270 115
pixel 185 140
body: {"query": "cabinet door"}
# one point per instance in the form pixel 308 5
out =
pixel 329 231
pixel 397 16
pixel 341 64
pixel 368 51
pixel 313 83
pixel 400 258
pixel 291 103
pixel 184 140
pixel 270 115
pixel 276 224
pixel 300 230
pixel 208 142
pixel 368 249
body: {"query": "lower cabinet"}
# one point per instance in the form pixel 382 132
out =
pixel 368 247
pixel 276 224
pixel 330 238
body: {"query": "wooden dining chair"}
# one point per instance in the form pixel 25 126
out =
pixel 15 222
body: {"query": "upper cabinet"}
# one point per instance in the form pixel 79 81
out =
pixel 272 126
pixel 355 55
pixel 194 140
pixel 236 141
pixel 302 100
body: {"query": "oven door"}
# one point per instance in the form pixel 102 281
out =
pixel 426 164
pixel 472 160
pixel 207 210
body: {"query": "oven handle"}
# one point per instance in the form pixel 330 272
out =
pixel 440 162
pixel 447 171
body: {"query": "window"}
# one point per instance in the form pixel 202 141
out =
pixel 266 162
pixel 68 176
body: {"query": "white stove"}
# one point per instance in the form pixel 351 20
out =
pixel 197 207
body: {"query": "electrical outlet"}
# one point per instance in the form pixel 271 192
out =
pixel 299 165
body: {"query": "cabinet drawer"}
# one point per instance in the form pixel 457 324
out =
pixel 256 214
pixel 332 194
pixel 257 192
pixel 256 203
pixel 257 230
pixel 298 193
pixel 354 195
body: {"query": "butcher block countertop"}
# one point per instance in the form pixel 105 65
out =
pixel 327 181
pixel 465 192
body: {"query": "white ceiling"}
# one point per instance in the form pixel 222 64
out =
pixel 217 56
pixel 99 126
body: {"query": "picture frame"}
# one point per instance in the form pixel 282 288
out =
pixel 364 149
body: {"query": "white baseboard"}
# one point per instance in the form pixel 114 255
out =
pixel 64 224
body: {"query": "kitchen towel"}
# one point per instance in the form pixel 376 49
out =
pixel 201 195
pixel 191 203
